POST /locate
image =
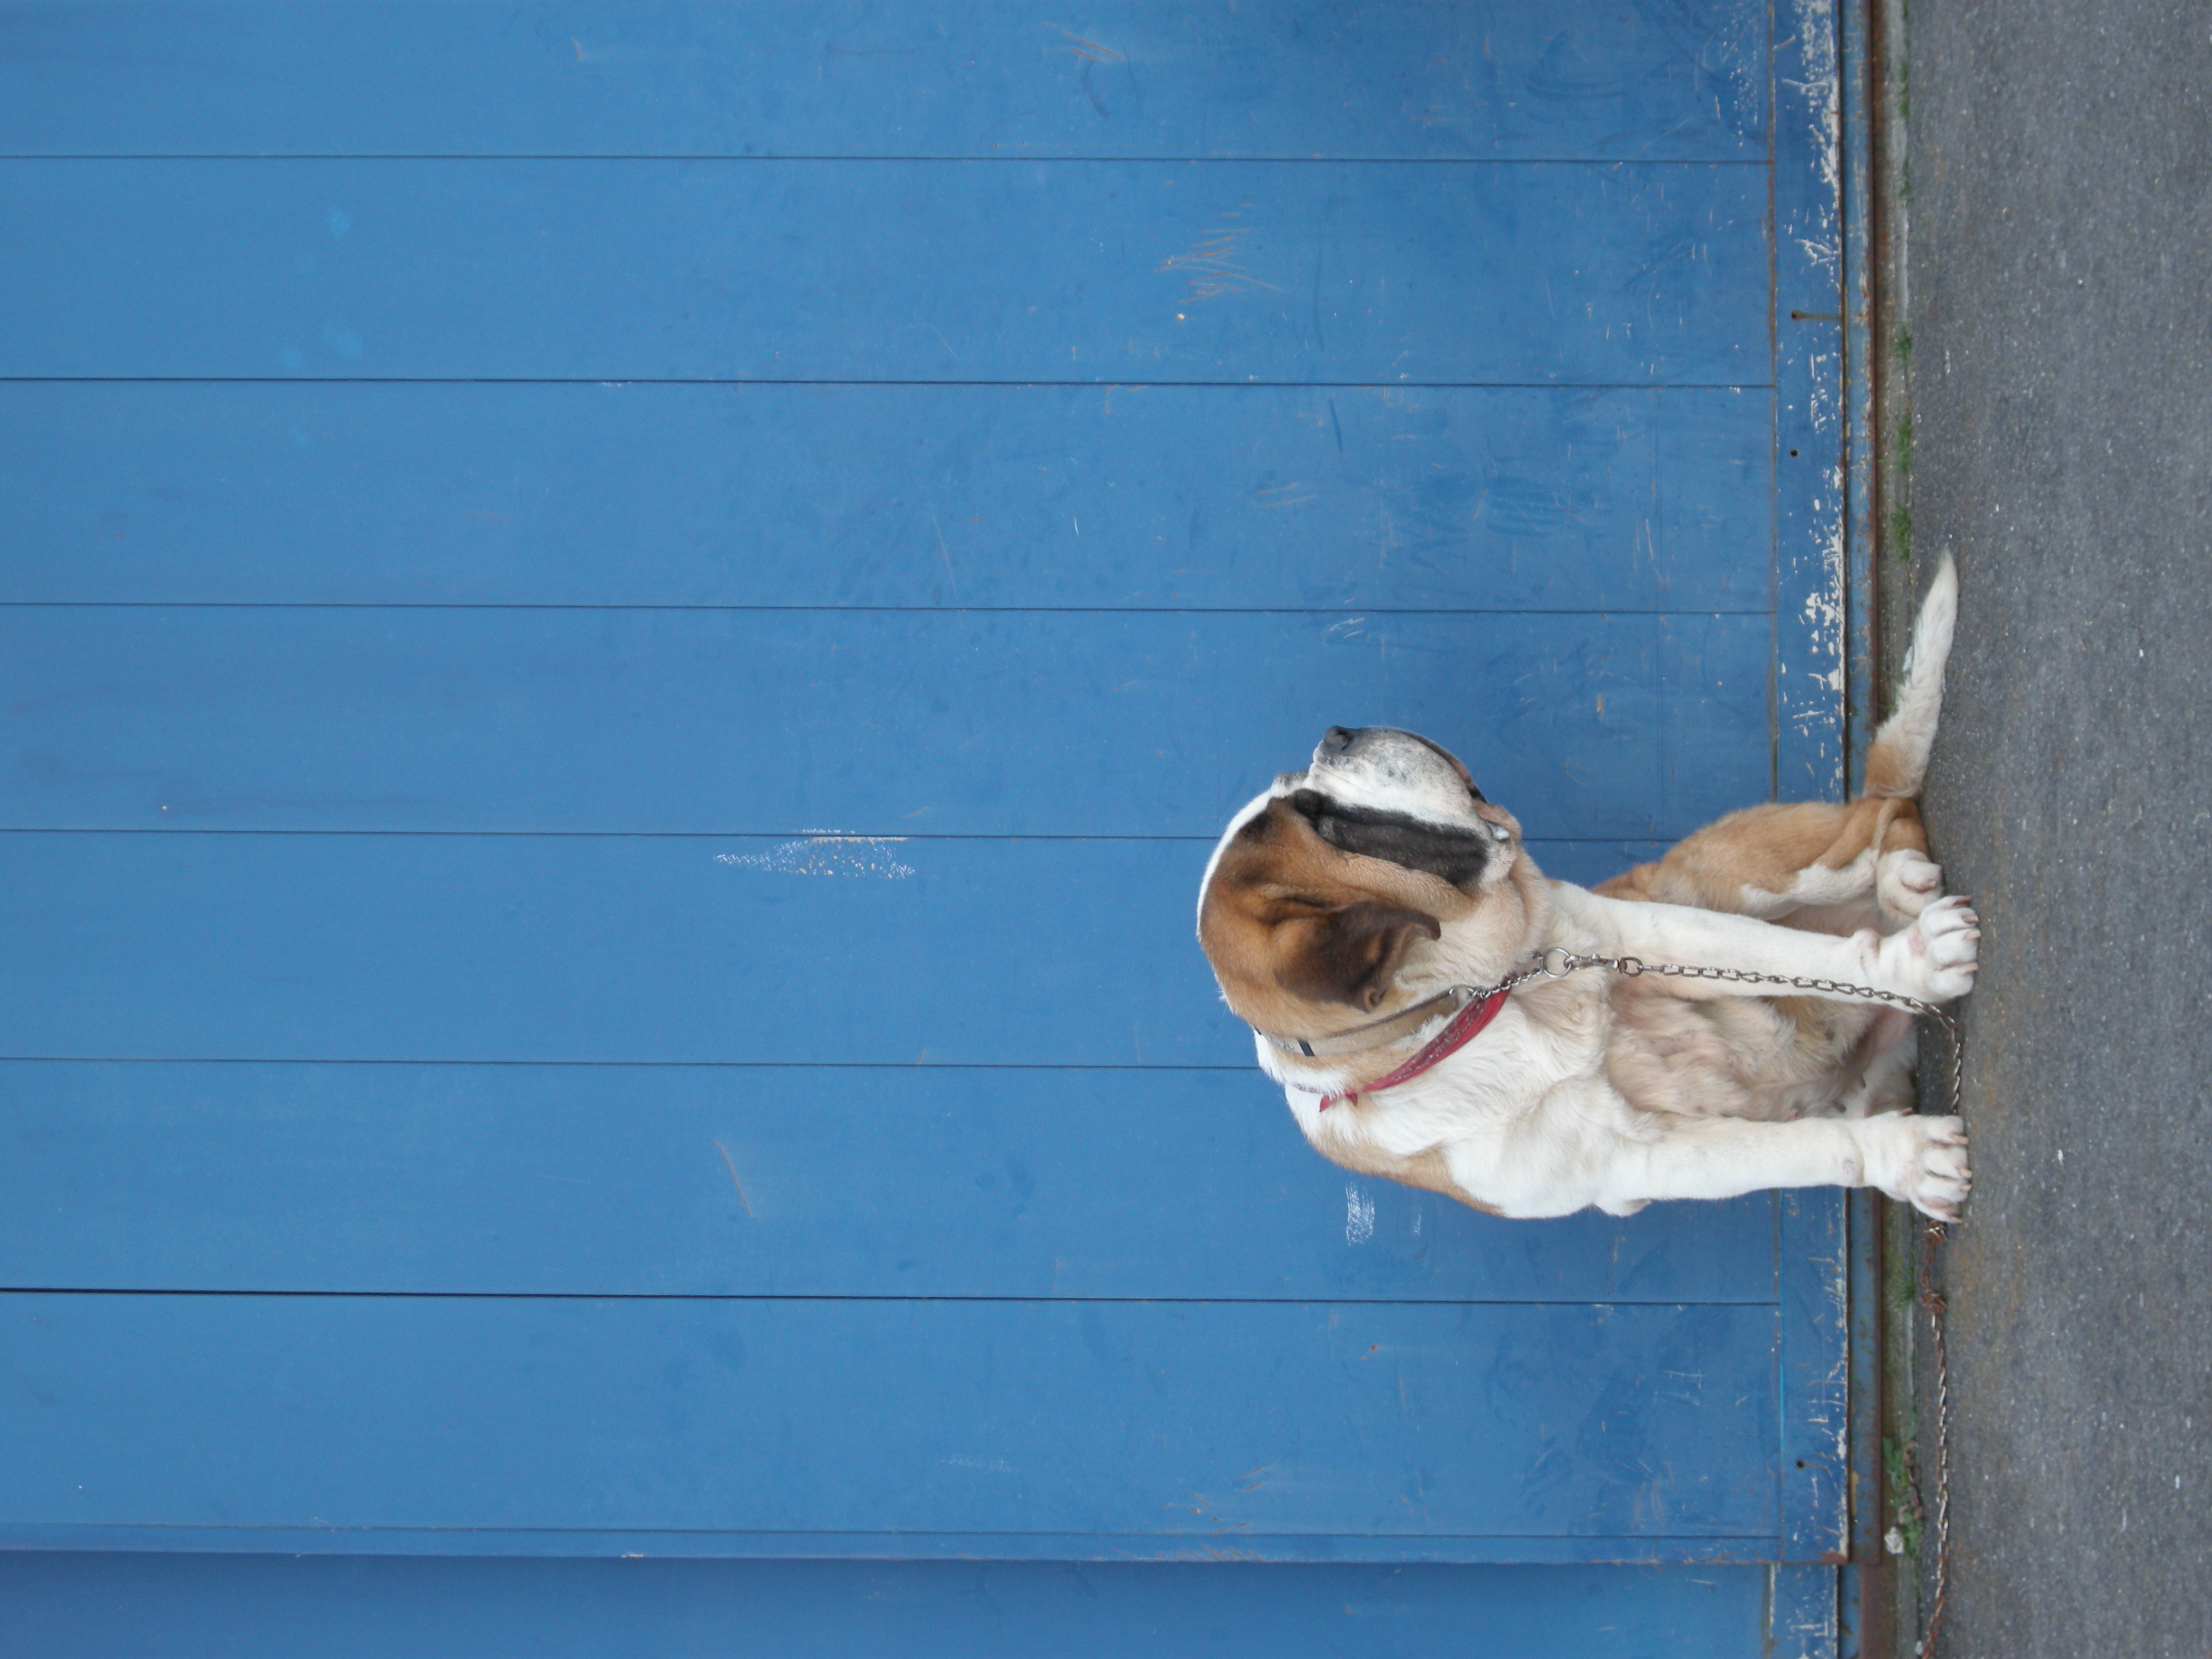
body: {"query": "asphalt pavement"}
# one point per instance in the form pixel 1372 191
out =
pixel 2059 258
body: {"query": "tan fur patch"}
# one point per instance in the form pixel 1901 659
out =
pixel 1289 920
pixel 1768 850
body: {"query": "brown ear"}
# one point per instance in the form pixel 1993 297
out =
pixel 1349 954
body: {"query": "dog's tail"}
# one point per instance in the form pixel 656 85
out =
pixel 1897 760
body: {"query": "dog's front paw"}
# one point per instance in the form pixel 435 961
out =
pixel 1934 959
pixel 1920 1161
pixel 1905 883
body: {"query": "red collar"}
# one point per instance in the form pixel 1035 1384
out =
pixel 1465 1026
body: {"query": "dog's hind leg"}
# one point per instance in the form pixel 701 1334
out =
pixel 1820 866
pixel 1816 864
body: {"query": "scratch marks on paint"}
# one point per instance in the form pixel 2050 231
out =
pixel 1832 1411
pixel 1358 1215
pixel 988 1465
pixel 1811 668
pixel 730 1163
pixel 1819 95
pixel 1816 30
pixel 1824 392
pixel 1736 56
pixel 1826 254
pixel 826 855
pixel 945 554
pixel 1093 51
pixel 1823 613
pixel 1214 264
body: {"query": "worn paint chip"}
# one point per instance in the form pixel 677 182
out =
pixel 989 1465
pixel 826 855
pixel 1358 1215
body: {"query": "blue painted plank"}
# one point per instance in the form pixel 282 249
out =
pixel 372 1607
pixel 1812 585
pixel 844 1181
pixel 1550 1550
pixel 1813 626
pixel 1864 1464
pixel 1493 498
pixel 1159 1421
pixel 1084 271
pixel 879 723
pixel 1804 1621
pixel 881 78
pixel 1814 1248
pixel 600 949
pixel 1862 446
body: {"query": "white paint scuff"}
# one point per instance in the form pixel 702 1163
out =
pixel 826 855
pixel 1816 28
pixel 1358 1215
pixel 988 1465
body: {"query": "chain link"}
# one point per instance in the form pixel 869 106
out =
pixel 1931 1299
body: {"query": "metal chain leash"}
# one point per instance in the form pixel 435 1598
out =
pixel 1933 1300
pixel 1558 962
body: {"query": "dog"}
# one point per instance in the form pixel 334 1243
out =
pixel 1357 914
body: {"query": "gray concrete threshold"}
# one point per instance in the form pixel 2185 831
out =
pixel 2049 289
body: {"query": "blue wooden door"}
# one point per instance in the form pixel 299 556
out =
pixel 624 631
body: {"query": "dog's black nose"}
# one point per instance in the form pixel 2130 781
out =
pixel 1336 740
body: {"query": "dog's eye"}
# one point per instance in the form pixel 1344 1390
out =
pixel 1499 832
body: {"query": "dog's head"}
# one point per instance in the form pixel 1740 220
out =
pixel 1339 894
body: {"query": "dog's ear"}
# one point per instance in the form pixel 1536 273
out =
pixel 1349 954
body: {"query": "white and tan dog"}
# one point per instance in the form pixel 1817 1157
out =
pixel 1349 910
